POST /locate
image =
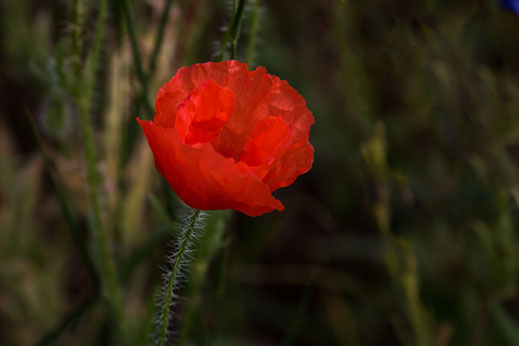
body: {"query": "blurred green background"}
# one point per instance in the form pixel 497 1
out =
pixel 403 233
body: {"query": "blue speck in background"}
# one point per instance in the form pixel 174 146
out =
pixel 511 5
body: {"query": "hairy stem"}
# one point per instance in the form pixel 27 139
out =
pixel 184 246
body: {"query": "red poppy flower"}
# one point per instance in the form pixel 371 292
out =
pixel 225 138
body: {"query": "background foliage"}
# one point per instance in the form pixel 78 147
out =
pixel 403 233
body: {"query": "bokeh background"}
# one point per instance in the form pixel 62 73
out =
pixel 403 233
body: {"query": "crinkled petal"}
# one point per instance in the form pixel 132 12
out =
pixel 269 138
pixel 204 113
pixel 250 88
pixel 203 178
pixel 285 102
pixel 296 160
pixel 187 79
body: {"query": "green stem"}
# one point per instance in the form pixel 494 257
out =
pixel 254 24
pixel 137 56
pixel 235 28
pixel 233 32
pixel 158 40
pixel 87 83
pixel 68 320
pixel 300 315
pixel 100 31
pixel 107 266
pixel 223 46
pixel 186 240
pixel 143 252
pixel 76 35
pixel 65 205
pixel 221 287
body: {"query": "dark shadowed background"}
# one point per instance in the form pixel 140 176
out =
pixel 403 233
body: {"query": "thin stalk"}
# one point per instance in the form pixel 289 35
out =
pixel 87 83
pixel 99 34
pixel 137 56
pixel 163 213
pixel 184 246
pixel 76 35
pixel 221 287
pixel 144 77
pixel 68 320
pixel 65 205
pixel 143 252
pixel 158 39
pixel 300 315
pixel 225 40
pixel 233 32
pixel 168 196
pixel 254 24
pixel 235 28
pixel 190 311
pixel 107 266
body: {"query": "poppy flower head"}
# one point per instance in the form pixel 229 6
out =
pixel 225 137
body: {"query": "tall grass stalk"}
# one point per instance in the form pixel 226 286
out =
pixel 84 93
pixel 69 320
pixel 295 326
pixel 65 205
pixel 137 59
pixel 76 36
pixel 159 38
pixel 73 227
pixel 399 259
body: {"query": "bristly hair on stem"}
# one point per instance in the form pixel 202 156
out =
pixel 178 262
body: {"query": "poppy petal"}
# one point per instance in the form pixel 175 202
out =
pixel 296 160
pixel 205 179
pixel 204 113
pixel 266 142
